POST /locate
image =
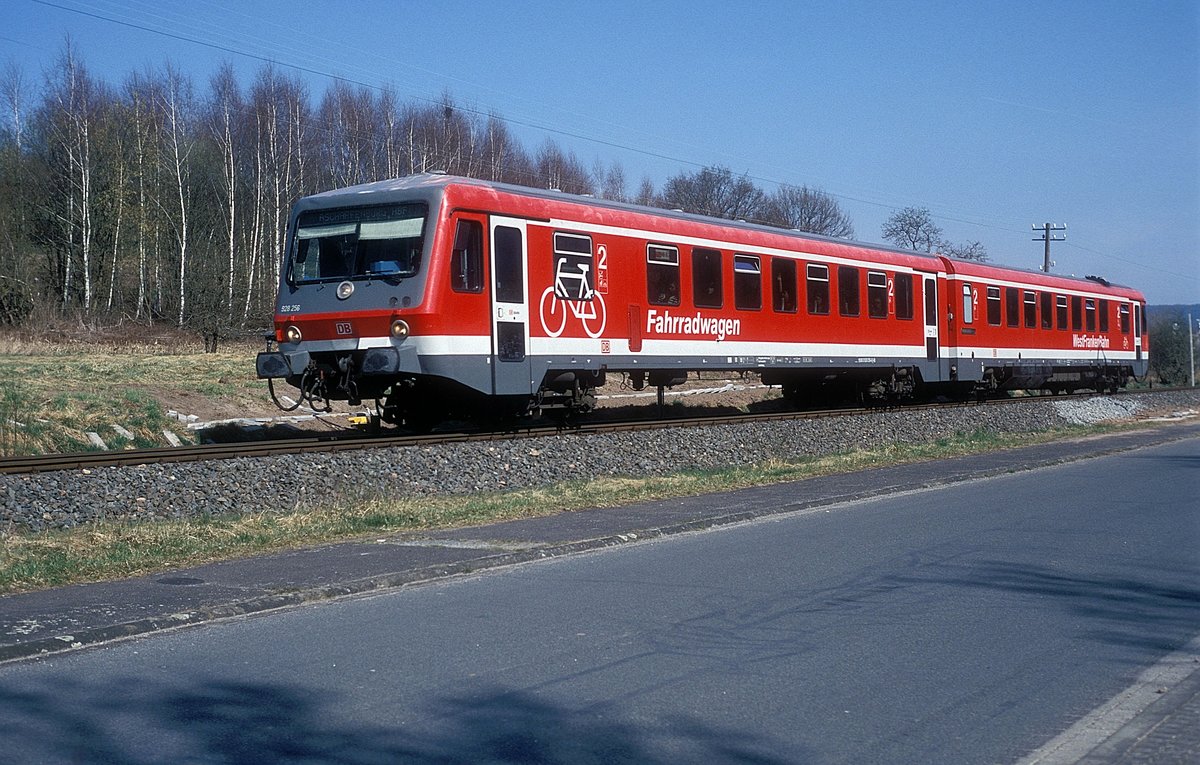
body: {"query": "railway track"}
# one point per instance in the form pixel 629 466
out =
pixel 350 440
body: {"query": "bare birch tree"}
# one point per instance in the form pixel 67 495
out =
pixel 178 141
pixel 223 124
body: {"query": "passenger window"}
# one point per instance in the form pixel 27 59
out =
pixel 968 305
pixel 1123 318
pixel 1012 305
pixel 1089 307
pixel 1076 313
pixel 993 306
pixel 706 279
pixel 1047 310
pixel 747 283
pixel 848 291
pixel 783 285
pixel 662 275
pixel 877 304
pixel 1030 309
pixel 466 261
pixel 1103 315
pixel 818 290
pixel 1061 311
pixel 904 296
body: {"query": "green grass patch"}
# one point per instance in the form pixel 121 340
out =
pixel 113 550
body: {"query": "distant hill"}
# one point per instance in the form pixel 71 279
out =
pixel 1173 312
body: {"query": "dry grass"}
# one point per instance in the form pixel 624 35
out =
pixel 53 391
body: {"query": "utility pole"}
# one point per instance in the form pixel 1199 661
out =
pixel 1191 351
pixel 1047 237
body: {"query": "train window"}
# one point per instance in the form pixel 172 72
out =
pixel 877 303
pixel 1123 318
pixel 358 243
pixel 706 279
pixel 747 283
pixel 1076 313
pixel 968 312
pixel 783 285
pixel 510 287
pixel 993 306
pixel 904 296
pixel 574 267
pixel 848 299
pixel 931 304
pixel 1103 315
pixel 1012 305
pixel 1060 311
pixel 818 289
pixel 1047 310
pixel 662 275
pixel 1089 310
pixel 1030 309
pixel 466 261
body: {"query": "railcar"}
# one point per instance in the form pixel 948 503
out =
pixel 443 297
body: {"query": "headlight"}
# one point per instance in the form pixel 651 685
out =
pixel 400 329
pixel 345 290
pixel 292 333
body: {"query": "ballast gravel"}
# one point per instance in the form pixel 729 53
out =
pixel 284 483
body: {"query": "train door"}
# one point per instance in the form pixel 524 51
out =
pixel 510 308
pixel 932 352
pixel 1137 330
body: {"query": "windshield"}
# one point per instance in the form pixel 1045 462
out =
pixel 358 243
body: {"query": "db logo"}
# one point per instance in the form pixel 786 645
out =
pixel 343 328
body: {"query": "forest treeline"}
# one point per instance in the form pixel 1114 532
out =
pixel 160 199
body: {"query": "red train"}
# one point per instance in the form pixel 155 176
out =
pixel 440 297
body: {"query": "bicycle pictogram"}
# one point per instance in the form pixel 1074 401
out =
pixel 583 302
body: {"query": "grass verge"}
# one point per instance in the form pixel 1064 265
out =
pixel 114 550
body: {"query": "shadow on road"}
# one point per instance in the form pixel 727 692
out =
pixel 140 723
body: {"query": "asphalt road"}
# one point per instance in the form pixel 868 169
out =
pixel 966 624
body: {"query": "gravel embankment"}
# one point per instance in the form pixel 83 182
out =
pixel 280 484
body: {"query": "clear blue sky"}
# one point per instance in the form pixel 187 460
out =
pixel 994 115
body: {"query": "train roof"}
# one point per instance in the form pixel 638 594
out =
pixel 1096 284
pixel 466 191
pixel 433 187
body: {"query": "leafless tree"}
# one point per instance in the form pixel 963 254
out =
pixel 142 95
pixel 805 209
pixel 178 141
pixel 714 191
pixel 562 171
pixel 15 88
pixel 610 180
pixel 913 228
pixel 224 118
pixel 968 251
pixel 646 194
pixel 69 116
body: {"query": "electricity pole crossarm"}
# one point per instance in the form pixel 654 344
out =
pixel 1048 237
